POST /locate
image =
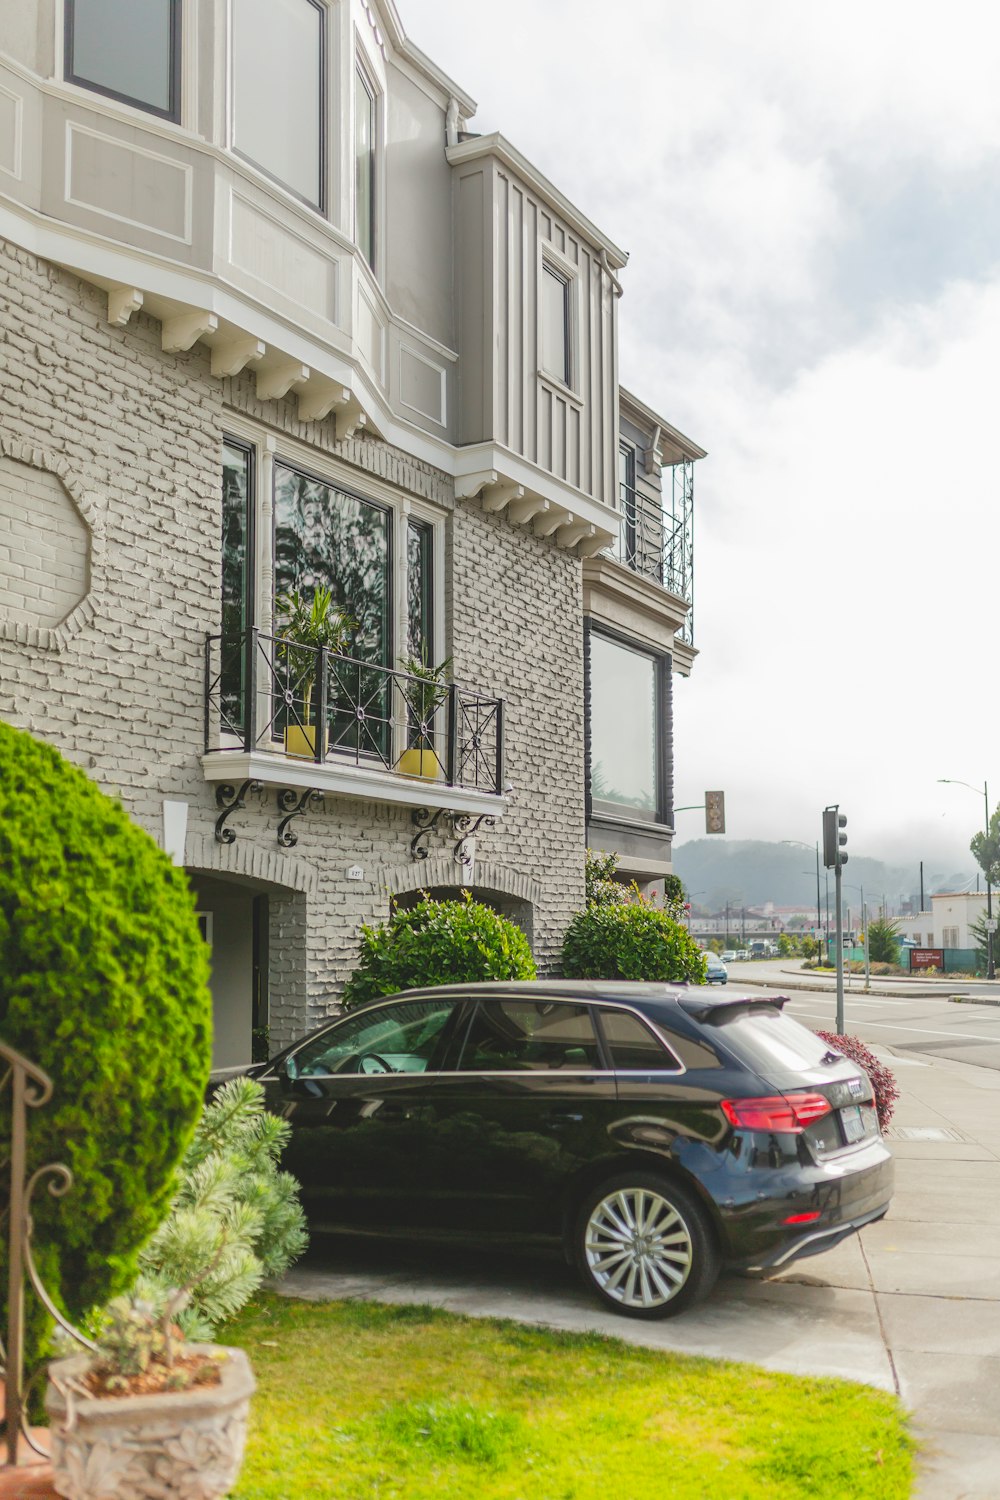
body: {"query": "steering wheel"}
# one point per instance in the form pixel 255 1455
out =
pixel 374 1057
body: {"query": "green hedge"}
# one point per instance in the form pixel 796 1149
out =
pixel 637 941
pixel 438 942
pixel 104 984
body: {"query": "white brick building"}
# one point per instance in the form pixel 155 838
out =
pixel 273 318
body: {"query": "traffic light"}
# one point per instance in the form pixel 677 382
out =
pixel 715 812
pixel 833 840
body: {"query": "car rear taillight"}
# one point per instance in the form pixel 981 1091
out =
pixel 809 1218
pixel 781 1112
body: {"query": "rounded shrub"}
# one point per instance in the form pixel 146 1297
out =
pixel 637 941
pixel 104 985
pixel 438 942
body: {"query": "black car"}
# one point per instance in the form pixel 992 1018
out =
pixel 659 1133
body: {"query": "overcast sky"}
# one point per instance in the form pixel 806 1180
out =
pixel 809 198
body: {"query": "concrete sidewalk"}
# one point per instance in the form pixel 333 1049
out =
pixel 911 1305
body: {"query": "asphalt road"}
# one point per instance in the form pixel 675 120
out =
pixel 928 1023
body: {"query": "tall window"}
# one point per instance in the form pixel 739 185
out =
pixel 237 552
pixel 554 321
pixel 627 747
pixel 278 87
pixel 365 134
pixel 129 49
pixel 324 536
pixel 420 591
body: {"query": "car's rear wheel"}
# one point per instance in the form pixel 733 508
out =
pixel 644 1246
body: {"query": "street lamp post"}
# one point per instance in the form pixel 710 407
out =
pixel 806 846
pixel 991 972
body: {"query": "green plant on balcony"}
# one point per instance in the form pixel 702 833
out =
pixel 425 690
pixel 308 625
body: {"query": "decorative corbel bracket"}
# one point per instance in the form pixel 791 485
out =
pixel 234 355
pixel 183 332
pixel 123 301
pixel 424 822
pixel 231 800
pixel 319 398
pixel 292 805
pixel 496 496
pixel 275 383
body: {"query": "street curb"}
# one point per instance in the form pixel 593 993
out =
pixel 973 1000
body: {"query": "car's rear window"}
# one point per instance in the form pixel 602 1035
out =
pixel 764 1038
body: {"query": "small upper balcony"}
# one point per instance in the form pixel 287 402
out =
pixel 299 716
pixel 656 535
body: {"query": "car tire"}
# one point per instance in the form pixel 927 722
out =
pixel 644 1247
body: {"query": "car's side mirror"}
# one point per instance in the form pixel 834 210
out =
pixel 291 1068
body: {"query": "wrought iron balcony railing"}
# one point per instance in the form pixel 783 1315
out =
pixel 269 693
pixel 656 538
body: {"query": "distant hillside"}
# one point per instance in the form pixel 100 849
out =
pixel 750 872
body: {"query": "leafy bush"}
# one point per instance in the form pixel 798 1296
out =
pixel 236 1218
pixel 636 941
pixel 103 984
pixel 883 1080
pixel 438 942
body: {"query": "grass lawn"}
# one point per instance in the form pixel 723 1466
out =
pixel 358 1400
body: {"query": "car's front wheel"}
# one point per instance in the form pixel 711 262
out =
pixel 644 1246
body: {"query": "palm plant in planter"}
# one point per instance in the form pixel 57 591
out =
pixel 425 691
pixel 306 627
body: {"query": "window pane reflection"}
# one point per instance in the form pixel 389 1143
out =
pixel 125 48
pixel 277 103
pixel 623 727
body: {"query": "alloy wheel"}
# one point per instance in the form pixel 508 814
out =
pixel 638 1248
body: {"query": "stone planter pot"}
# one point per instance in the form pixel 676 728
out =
pixel 187 1444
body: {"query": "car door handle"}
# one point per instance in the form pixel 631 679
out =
pixel 567 1119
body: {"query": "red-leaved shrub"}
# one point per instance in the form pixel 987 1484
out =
pixel 883 1080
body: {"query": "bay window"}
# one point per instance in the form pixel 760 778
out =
pixel 278 78
pixel 365 135
pixel 127 49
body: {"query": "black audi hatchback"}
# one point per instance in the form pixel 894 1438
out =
pixel 659 1133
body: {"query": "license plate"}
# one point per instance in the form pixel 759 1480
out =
pixel 854 1123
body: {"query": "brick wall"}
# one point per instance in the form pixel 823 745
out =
pixel 137 433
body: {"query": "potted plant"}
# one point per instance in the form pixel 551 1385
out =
pixel 146 1414
pixel 424 691
pixel 307 626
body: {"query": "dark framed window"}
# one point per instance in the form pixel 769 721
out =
pixel 279 92
pixel 554 321
pixel 628 727
pixel 420 590
pixel 326 536
pixel 530 1036
pixel 127 49
pixel 365 137
pixel 625 548
pixel 237 573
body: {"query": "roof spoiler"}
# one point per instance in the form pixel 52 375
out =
pixel 713 1008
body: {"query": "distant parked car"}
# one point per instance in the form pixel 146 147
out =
pixel 656 1132
pixel 715 970
pixel 729 956
pixel 743 953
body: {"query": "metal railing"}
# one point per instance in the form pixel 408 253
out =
pixel 269 693
pixel 656 536
pixel 23 1087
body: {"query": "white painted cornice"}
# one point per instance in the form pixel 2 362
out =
pixel 499 148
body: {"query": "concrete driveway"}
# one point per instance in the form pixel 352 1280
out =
pixel 911 1305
